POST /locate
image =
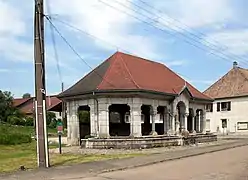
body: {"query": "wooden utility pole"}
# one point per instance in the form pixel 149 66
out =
pixel 40 89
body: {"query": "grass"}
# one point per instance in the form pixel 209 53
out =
pixel 12 157
pixel 29 130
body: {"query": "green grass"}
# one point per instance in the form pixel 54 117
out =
pixel 12 157
pixel 29 130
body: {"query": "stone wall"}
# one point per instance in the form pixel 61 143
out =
pixel 134 143
pixel 146 142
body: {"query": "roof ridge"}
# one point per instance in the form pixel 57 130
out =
pixel 108 70
pixel 243 73
pixel 222 77
pixel 129 73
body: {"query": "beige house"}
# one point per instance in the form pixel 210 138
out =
pixel 229 111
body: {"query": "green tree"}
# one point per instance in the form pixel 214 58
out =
pixel 6 108
pixel 26 95
pixel 50 117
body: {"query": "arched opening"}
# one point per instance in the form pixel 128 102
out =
pixel 84 121
pixel 146 119
pixel 181 109
pixel 119 120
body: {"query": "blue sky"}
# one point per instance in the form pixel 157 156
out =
pixel 221 25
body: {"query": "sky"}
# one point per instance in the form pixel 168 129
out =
pixel 198 39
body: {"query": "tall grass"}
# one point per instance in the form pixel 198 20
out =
pixel 12 135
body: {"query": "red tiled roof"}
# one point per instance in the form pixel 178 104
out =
pixel 19 101
pixel 27 108
pixel 127 72
pixel 233 84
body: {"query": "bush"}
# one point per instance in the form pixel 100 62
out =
pixel 13 120
pixel 8 137
pixel 53 124
pixel 29 121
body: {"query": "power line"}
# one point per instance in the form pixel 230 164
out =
pixel 94 37
pixel 185 29
pixel 167 32
pixel 56 56
pixel 75 52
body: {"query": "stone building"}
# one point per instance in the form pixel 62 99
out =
pixel 228 113
pixel 131 96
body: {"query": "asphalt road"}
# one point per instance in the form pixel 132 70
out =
pixel 231 164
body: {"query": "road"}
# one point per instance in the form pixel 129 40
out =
pixel 230 164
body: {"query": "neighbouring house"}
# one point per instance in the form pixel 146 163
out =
pixel 229 111
pixel 131 96
pixel 26 105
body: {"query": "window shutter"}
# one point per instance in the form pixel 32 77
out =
pixel 229 106
pixel 211 108
pixel 218 106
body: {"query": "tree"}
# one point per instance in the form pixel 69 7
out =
pixel 50 117
pixel 26 95
pixel 6 108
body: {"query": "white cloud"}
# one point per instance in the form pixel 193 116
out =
pixel 176 63
pixel 107 24
pixel 194 13
pixel 232 41
pixel 10 20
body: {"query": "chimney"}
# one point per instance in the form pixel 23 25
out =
pixel 235 64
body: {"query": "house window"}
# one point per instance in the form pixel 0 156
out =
pixel 224 106
pixel 209 108
pixel 242 125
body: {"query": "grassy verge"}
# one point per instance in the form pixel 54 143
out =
pixel 12 157
pixel 28 130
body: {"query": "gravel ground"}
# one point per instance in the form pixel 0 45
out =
pixel 78 150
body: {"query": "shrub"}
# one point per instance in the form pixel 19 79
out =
pixel 53 124
pixel 8 137
pixel 13 120
pixel 29 121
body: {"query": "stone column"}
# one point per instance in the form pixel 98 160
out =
pixel 166 122
pixel 204 122
pixel 198 121
pixel 154 116
pixel 135 121
pixel 177 124
pixel 193 125
pixel 103 120
pixel 93 121
pixel 73 135
pixel 172 124
pixel 186 121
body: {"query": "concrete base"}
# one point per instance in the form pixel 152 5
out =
pixel 145 141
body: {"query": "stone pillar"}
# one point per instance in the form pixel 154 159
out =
pixel 93 121
pixel 173 124
pixel 73 134
pixel 103 117
pixel 166 122
pixel 135 121
pixel 177 124
pixel 204 121
pixel 198 121
pixel 186 121
pixel 193 125
pixel 154 116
